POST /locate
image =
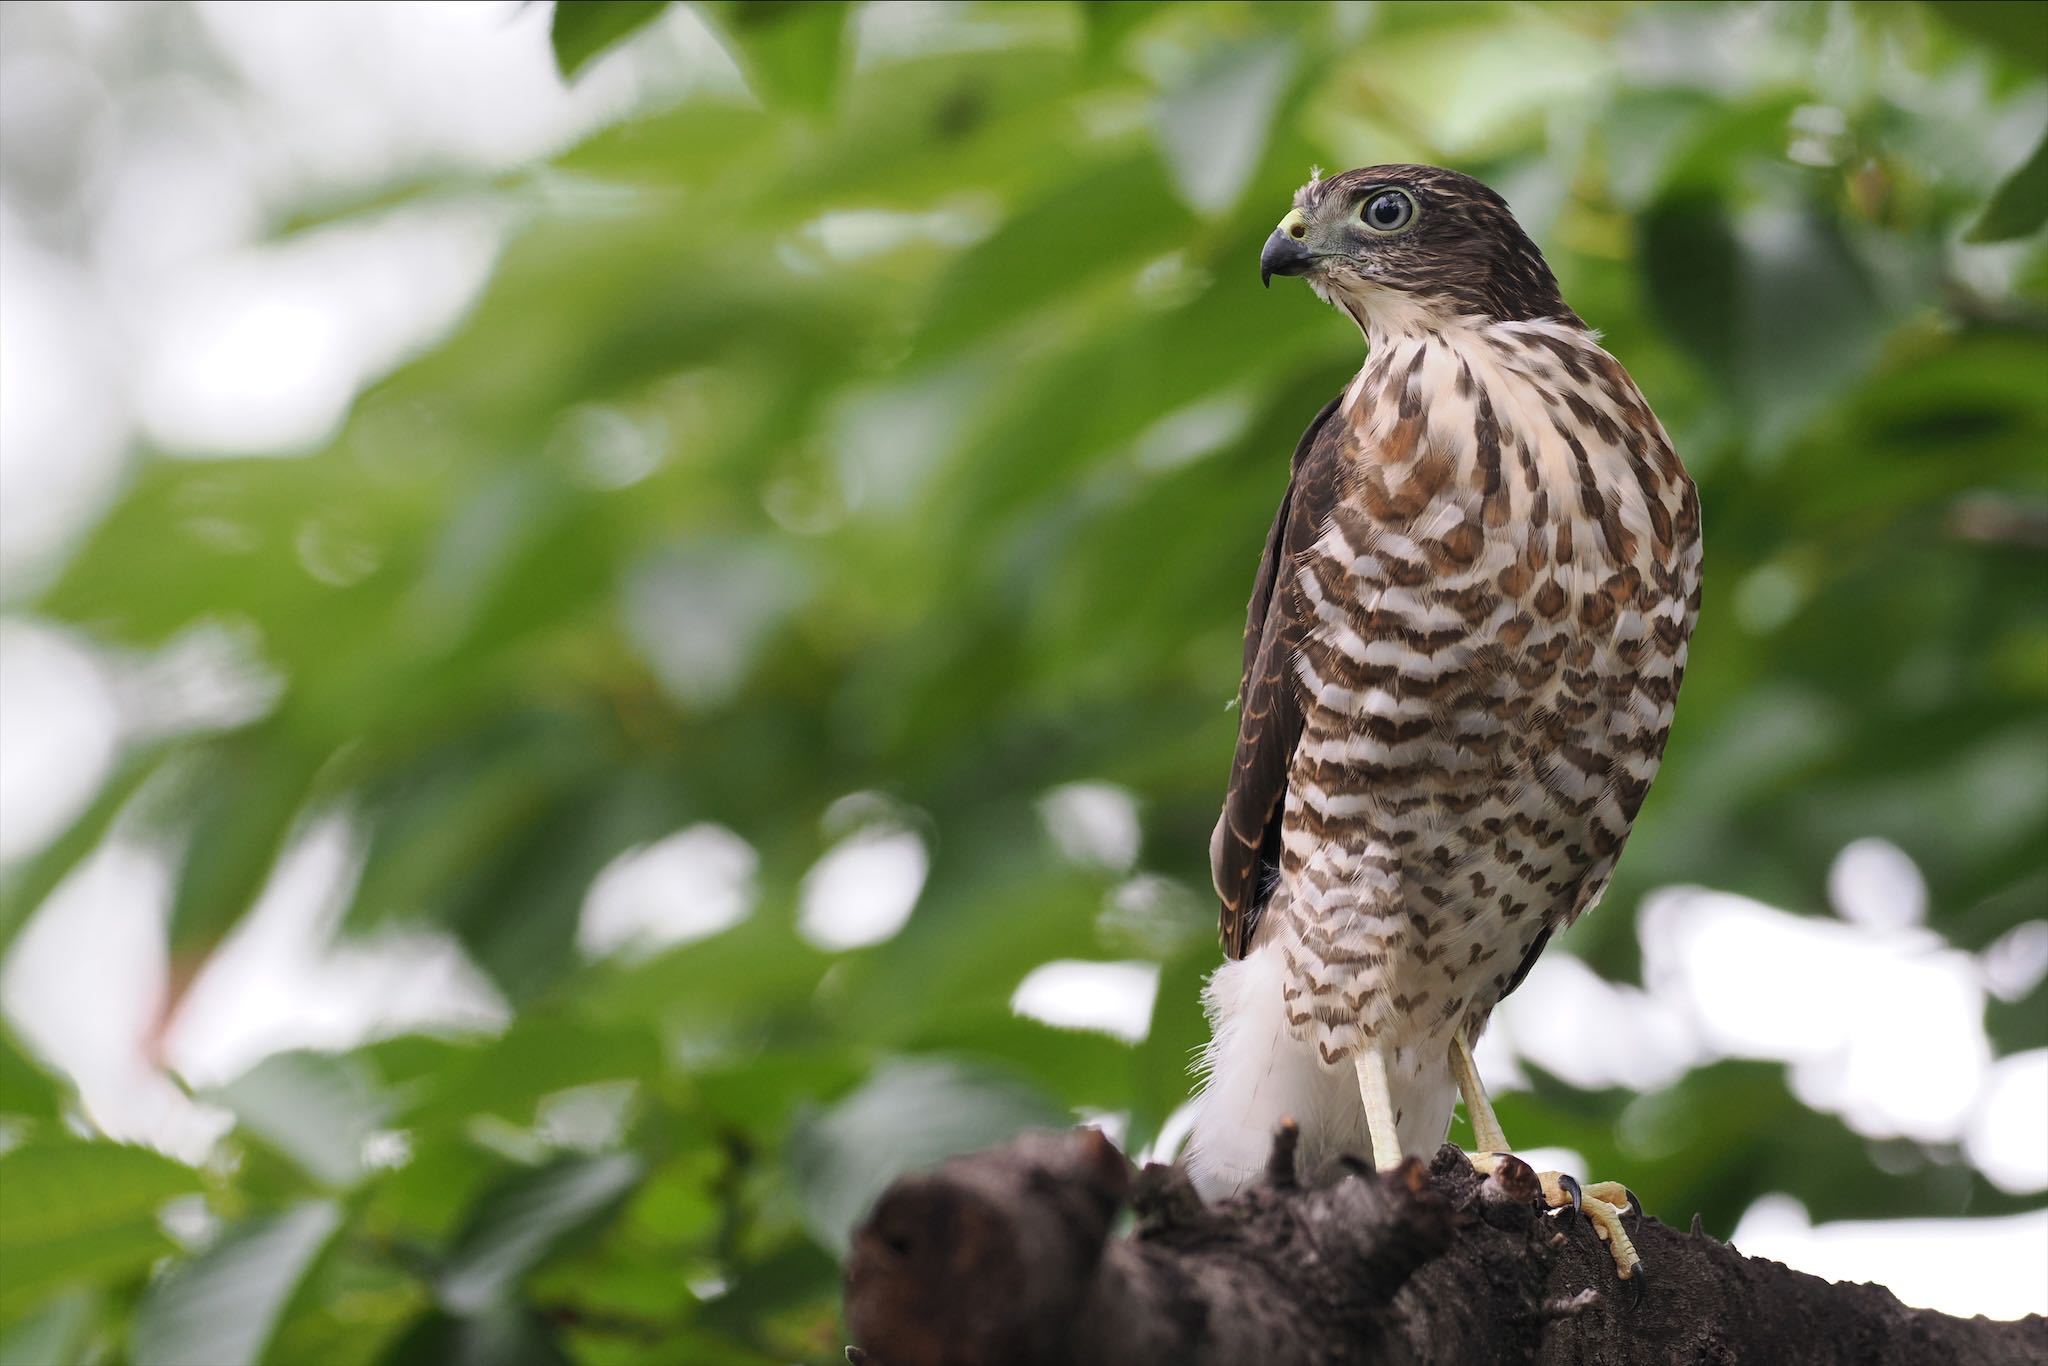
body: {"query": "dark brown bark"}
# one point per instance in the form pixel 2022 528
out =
pixel 1005 1258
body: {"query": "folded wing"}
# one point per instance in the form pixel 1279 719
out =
pixel 1245 856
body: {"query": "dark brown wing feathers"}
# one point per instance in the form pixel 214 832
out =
pixel 1269 704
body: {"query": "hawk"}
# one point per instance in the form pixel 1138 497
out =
pixel 1464 645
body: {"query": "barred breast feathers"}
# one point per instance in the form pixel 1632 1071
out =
pixel 1485 627
pixel 1517 563
pixel 1540 433
pixel 1527 410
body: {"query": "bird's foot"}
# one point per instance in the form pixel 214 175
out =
pixel 1602 1202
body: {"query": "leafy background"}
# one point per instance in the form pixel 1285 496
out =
pixel 838 503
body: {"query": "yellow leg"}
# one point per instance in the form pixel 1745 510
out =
pixel 1486 1132
pixel 1374 1090
pixel 1603 1203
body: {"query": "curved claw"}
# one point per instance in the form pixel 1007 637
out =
pixel 1561 1191
pixel 1621 1197
pixel 1636 1276
pixel 1606 1217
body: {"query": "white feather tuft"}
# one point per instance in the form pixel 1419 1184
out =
pixel 1255 1073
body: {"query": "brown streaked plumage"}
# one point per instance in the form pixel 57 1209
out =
pixel 1463 647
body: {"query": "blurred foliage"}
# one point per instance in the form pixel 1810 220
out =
pixel 911 430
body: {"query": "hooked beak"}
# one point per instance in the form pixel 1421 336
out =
pixel 1285 253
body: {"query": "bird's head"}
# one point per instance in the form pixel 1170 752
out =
pixel 1399 247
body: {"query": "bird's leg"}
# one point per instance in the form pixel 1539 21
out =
pixel 1486 1131
pixel 1375 1091
pixel 1603 1202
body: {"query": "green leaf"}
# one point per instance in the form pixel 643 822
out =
pixel 773 1287
pixel 502 1335
pixel 316 1108
pixel 26 1089
pixel 1163 1072
pixel 2016 31
pixel 517 910
pixel 1107 215
pixel 911 1115
pixel 540 1054
pixel 1779 311
pixel 790 50
pixel 762 1091
pixel 757 967
pixel 522 1222
pixel 1110 25
pixel 246 796
pixel 52 1336
pixel 434 820
pixel 223 1306
pixel 81 1213
pixel 431 1193
pixel 406 191
pixel 1077 1068
pixel 1692 269
pixel 1212 127
pixel 2020 205
pixel 583 29
pixel 990 912
pixel 354 1302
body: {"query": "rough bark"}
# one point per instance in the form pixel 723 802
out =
pixel 1006 1258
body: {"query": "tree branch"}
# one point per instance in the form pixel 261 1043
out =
pixel 1004 1258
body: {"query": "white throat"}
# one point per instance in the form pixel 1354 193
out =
pixel 1386 316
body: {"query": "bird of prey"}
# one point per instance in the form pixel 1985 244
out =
pixel 1463 648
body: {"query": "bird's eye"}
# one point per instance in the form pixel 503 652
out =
pixel 1388 212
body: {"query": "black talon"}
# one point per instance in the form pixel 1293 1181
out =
pixel 1571 1184
pixel 1281 1170
pixel 1636 1277
pixel 1635 1211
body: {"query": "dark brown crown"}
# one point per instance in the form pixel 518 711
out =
pixel 1465 245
